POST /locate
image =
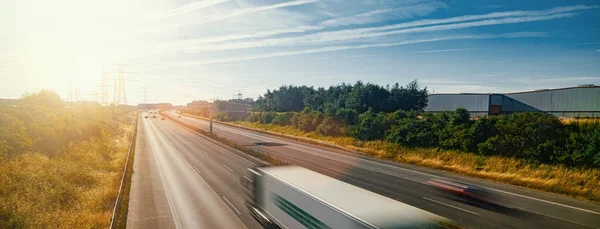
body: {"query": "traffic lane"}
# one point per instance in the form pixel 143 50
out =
pixel 217 165
pixel 192 201
pixel 148 204
pixel 202 145
pixel 535 205
pixel 409 192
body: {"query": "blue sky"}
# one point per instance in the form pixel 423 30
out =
pixel 190 50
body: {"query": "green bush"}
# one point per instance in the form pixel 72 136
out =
pixel 304 120
pixel 370 126
pixel 413 133
pixel 349 116
pixel 583 144
pixel 221 116
pixel 268 117
pixel 481 130
pixel 330 127
pixel 255 117
pixel 534 136
pixel 13 136
pixel 283 119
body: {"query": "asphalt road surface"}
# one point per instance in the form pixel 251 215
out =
pixel 182 179
pixel 219 168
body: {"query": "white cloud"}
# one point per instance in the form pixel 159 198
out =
pixel 339 48
pixel 491 7
pixel 359 56
pixel 363 18
pixel 569 79
pixel 354 34
pixel 256 9
pixel 590 43
pixel 192 6
pixel 527 16
pixel 445 50
pixel 374 15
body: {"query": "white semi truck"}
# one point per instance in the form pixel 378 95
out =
pixel 293 197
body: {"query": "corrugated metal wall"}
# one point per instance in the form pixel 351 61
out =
pixel 446 102
pixel 571 99
pixel 568 102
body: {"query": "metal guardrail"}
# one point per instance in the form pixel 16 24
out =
pixel 117 207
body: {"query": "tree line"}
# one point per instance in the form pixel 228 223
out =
pixel 357 98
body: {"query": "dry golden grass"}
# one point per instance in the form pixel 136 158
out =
pixel 76 189
pixel 579 183
pixel 580 120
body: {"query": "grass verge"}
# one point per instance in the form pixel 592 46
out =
pixel 122 204
pixel 74 187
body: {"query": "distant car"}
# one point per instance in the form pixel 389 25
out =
pixel 467 192
pixel 154 116
pixel 146 116
pixel 179 116
pixel 163 118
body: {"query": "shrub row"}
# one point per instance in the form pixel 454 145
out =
pixel 307 120
pixel 537 137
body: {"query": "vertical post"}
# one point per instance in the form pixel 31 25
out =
pixel 210 118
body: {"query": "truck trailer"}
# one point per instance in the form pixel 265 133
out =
pixel 293 197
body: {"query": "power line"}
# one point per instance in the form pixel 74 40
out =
pixel 119 92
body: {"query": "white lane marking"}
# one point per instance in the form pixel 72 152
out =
pixel 216 143
pixel 170 200
pixel 204 181
pixel 227 167
pixel 554 217
pixel 196 169
pixel 347 174
pixel 545 201
pixel 230 204
pixel 452 206
pixel 431 175
pixel 204 152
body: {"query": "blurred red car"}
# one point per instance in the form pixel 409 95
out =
pixel 465 191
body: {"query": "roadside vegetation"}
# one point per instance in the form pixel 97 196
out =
pixel 533 150
pixel 60 163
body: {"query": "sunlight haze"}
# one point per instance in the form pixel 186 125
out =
pixel 211 49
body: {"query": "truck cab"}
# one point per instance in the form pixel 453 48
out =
pixel 249 182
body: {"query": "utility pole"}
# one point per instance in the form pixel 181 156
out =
pixel 73 94
pixel 210 118
pixel 116 96
pixel 104 90
pixel 119 93
pixel 145 100
pixel 70 96
pixel 122 84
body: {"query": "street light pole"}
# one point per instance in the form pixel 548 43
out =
pixel 210 118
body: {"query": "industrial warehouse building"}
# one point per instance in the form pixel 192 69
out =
pixel 581 101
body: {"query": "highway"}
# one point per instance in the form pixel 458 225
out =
pixel 177 170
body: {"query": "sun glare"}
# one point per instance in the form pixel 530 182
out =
pixel 71 42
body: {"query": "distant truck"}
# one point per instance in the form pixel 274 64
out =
pixel 294 197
